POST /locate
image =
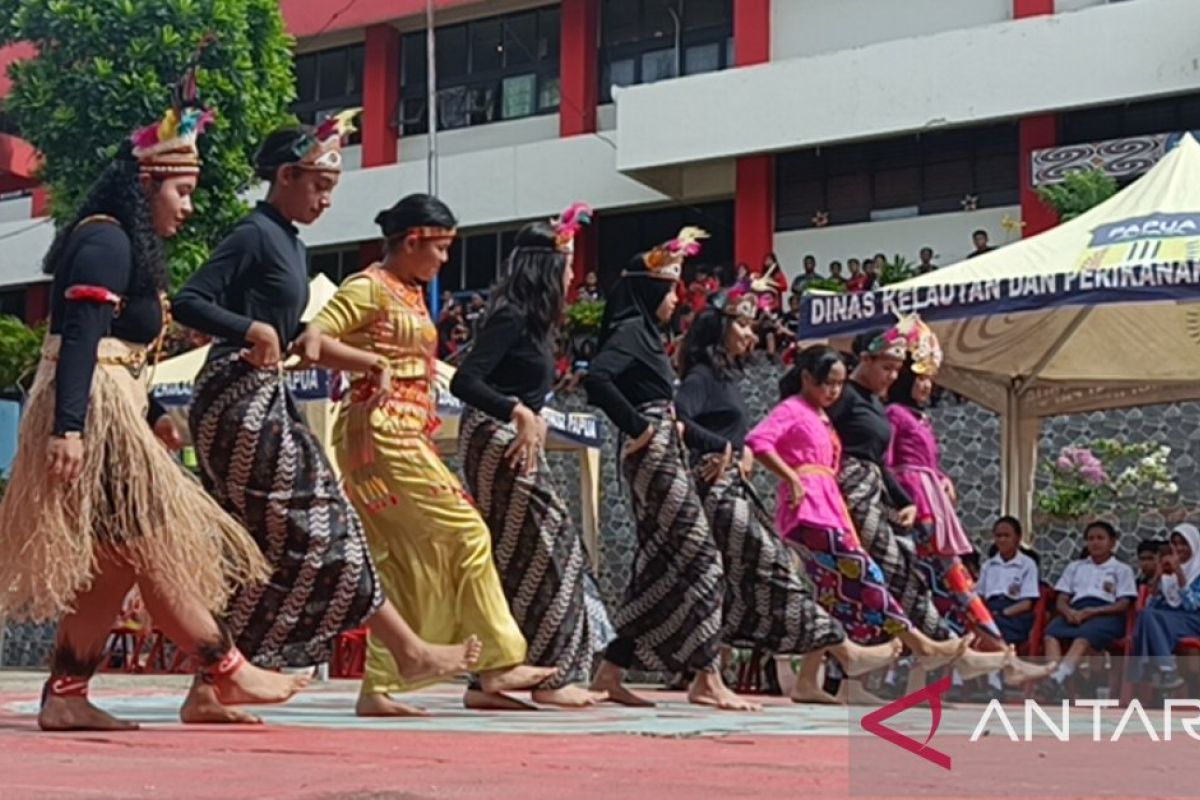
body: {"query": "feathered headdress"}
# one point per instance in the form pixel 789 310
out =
pixel 910 337
pixel 322 149
pixel 666 260
pixel 568 224
pixel 736 304
pixel 168 147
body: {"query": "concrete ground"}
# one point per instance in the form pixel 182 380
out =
pixel 315 748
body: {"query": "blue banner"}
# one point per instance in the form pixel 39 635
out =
pixel 838 315
pixel 566 427
pixel 305 385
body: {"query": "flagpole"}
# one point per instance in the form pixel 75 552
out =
pixel 431 158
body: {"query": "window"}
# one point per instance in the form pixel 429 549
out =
pixel 336 264
pixel 12 303
pixel 623 235
pixel 476 261
pixel 643 41
pixel 1168 115
pixel 327 82
pixel 927 174
pixel 490 69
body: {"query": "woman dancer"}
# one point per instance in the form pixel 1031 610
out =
pixel 504 382
pixel 670 620
pixel 432 548
pixel 914 459
pixel 877 501
pixel 95 504
pixel 256 455
pixel 767 605
pixel 796 442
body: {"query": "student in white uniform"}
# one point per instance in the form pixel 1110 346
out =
pixel 1008 583
pixel 1093 595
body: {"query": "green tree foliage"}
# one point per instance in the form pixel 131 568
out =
pixel 20 348
pixel 105 67
pixel 1079 192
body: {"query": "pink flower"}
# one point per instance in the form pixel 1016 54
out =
pixel 1093 474
pixel 1065 464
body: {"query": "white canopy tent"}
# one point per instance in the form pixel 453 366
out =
pixel 1097 313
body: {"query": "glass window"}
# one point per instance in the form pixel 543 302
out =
pixel 354 71
pixel 306 78
pixel 519 92
pixel 521 42
pixel 412 116
pixel 550 95
pixel 658 65
pixel 481 104
pixel 549 34
pixel 619 21
pixel 487 45
pixel 451 51
pixel 706 13
pixel 452 108
pixel 657 20
pixel 328 263
pixel 481 259
pixel 331 74
pixel 450 278
pixel 413 60
pixel 620 73
pixel 702 58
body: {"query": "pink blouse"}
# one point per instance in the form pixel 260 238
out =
pixel 803 439
pixel 915 459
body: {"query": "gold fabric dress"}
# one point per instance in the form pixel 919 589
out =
pixel 431 547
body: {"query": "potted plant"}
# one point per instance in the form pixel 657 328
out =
pixel 1131 477
pixel 584 317
pixel 1078 192
pixel 897 270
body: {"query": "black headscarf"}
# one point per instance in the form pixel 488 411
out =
pixel 636 296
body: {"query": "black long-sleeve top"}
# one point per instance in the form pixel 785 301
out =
pixel 506 365
pixel 630 369
pixel 258 273
pixel 861 422
pixel 713 412
pixel 97 254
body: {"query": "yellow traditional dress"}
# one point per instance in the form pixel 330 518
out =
pixel 431 547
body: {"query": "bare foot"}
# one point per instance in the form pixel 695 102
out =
pixel 569 697
pixel 202 705
pixel 78 714
pixel 380 705
pixel 251 685
pixel 856 694
pixel 440 661
pixel 1017 672
pixel 608 681
pixel 804 692
pixel 860 660
pixel 709 690
pixel 973 663
pixel 934 654
pixel 515 678
pixel 478 700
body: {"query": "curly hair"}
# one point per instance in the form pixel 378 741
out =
pixel 534 284
pixel 118 194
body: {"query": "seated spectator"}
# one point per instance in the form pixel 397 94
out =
pixel 835 273
pixel 702 287
pixel 1148 558
pixel 926 266
pixel 791 317
pixel 980 239
pixel 473 316
pixel 585 351
pixel 589 290
pixel 874 271
pixel 1093 595
pixel 809 275
pixel 772 269
pixel 773 335
pixel 857 281
pixel 741 282
pixel 1171 616
pixel 1008 583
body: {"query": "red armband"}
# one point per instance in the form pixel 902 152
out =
pixel 82 293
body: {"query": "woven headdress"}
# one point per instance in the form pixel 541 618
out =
pixel 910 337
pixel 321 150
pixel 168 147
pixel 666 261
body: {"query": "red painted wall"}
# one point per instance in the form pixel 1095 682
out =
pixel 579 67
pixel 754 195
pixel 381 96
pixel 9 54
pixel 313 17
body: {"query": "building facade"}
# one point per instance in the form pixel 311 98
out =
pixel 789 126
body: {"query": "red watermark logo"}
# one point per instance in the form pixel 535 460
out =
pixel 873 723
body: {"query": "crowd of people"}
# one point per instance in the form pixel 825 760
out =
pixel 274 554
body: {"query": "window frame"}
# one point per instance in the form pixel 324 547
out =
pixel 543 67
pixel 315 110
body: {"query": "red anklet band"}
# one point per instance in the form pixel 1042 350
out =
pixel 230 663
pixel 65 686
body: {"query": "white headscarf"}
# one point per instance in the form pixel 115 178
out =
pixel 1172 585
